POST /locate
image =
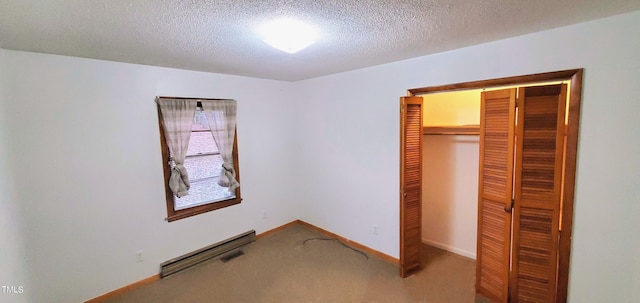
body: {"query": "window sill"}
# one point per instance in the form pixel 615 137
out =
pixel 196 210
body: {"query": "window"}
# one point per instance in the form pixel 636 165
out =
pixel 203 162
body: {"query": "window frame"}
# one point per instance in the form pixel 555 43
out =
pixel 172 214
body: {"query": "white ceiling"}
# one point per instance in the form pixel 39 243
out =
pixel 221 36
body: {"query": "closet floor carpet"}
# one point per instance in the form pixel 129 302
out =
pixel 280 268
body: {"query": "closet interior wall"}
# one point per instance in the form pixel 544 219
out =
pixel 450 172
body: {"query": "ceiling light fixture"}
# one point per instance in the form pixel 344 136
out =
pixel 288 35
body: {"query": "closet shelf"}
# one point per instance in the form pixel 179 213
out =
pixel 452 130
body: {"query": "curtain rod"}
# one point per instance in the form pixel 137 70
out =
pixel 188 98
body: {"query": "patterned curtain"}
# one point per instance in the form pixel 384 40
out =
pixel 221 115
pixel 177 119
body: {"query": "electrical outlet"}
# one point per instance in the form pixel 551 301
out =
pixel 375 229
pixel 139 256
pixel 264 214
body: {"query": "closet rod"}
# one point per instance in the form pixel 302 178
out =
pixel 451 130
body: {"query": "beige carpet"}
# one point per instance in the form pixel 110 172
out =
pixel 279 268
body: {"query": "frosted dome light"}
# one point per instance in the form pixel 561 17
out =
pixel 288 35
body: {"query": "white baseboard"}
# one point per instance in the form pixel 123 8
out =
pixel 455 250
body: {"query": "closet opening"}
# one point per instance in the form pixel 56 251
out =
pixel 454 144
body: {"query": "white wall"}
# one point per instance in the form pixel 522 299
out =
pixel 450 193
pixel 348 124
pixel 636 233
pixel 14 272
pixel 86 152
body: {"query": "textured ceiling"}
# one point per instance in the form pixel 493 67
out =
pixel 221 36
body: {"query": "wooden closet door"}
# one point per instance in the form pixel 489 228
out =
pixel 410 184
pixel 541 112
pixel 497 130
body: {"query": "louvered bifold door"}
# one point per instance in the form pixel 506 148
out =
pixel 495 188
pixel 541 112
pixel 410 184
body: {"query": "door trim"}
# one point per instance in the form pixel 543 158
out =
pixel 575 96
pixel 515 80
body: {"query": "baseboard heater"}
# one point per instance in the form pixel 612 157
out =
pixel 185 261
